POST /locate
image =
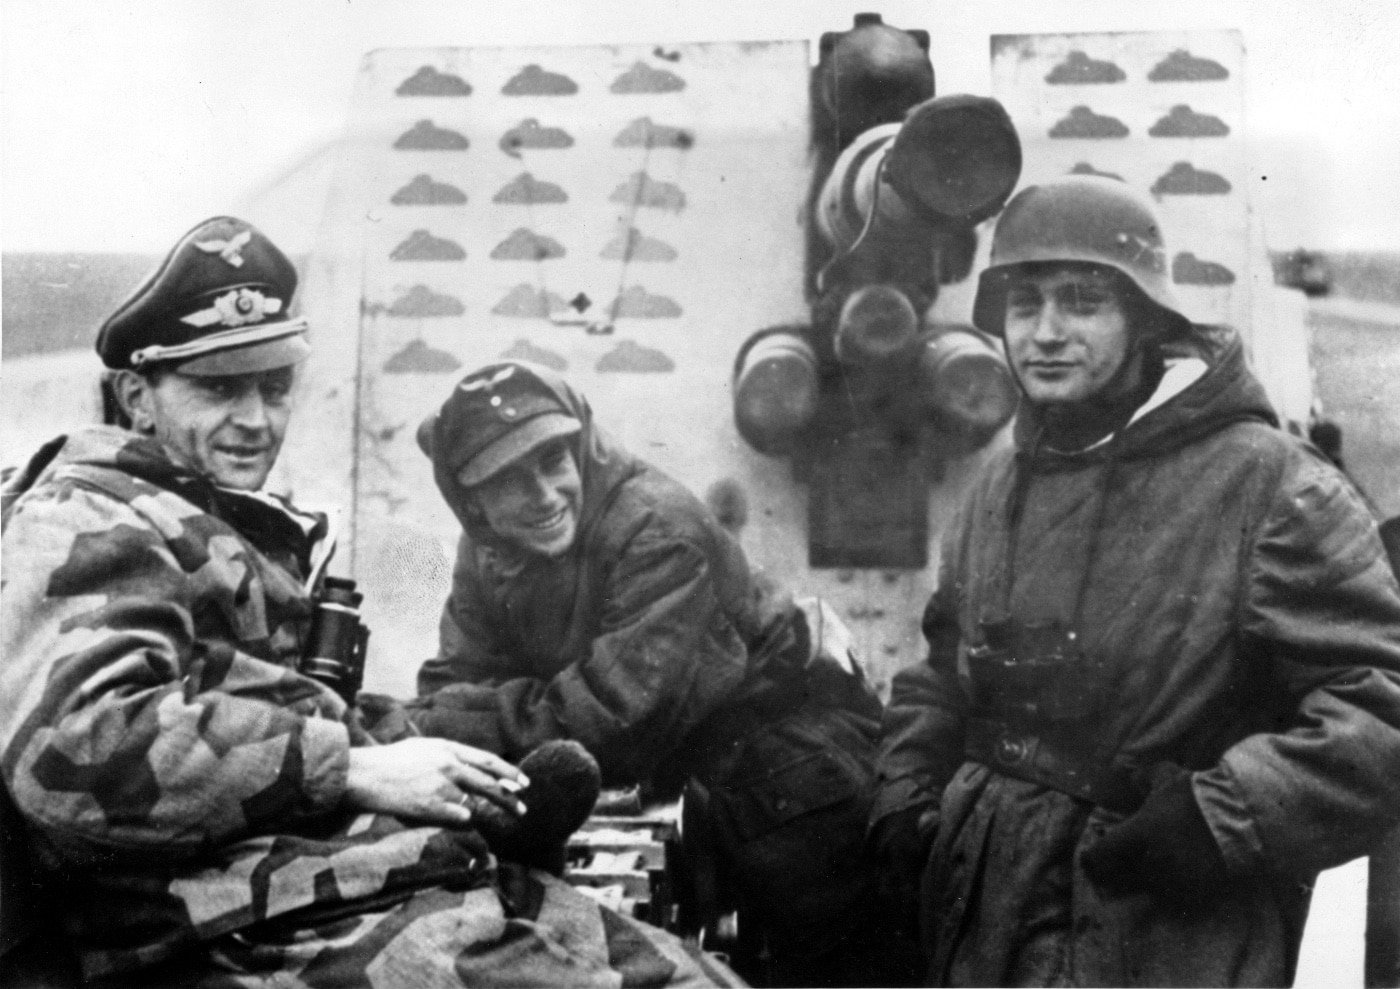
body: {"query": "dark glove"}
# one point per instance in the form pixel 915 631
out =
pixel 902 840
pixel 384 718
pixel 1166 848
pixel 901 843
pixel 564 784
pixel 462 712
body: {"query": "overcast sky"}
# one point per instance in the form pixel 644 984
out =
pixel 125 121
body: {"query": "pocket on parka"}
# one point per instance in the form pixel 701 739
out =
pixel 809 783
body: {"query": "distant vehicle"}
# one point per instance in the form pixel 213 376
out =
pixel 1307 271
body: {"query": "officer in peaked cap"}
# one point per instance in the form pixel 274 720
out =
pixel 218 305
pixel 202 355
pixel 164 747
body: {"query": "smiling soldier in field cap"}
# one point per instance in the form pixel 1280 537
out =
pixel 596 599
pixel 198 812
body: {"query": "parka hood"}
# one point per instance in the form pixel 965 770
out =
pixel 1226 392
pixel 603 465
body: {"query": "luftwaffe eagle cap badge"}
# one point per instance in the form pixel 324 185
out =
pixel 494 417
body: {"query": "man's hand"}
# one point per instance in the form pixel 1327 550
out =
pixel 901 842
pixel 1165 849
pixel 430 779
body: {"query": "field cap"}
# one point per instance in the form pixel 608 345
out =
pixel 494 417
pixel 217 305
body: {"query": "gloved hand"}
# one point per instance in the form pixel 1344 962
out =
pixel 901 843
pixel 1166 849
pixel 564 784
pixel 384 718
pixel 461 712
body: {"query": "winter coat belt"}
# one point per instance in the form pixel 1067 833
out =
pixel 1023 754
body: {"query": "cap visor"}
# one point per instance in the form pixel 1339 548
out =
pixel 249 359
pixel 516 444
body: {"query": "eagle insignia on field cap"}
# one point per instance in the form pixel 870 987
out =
pixel 488 381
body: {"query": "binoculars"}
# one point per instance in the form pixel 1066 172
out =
pixel 335 653
pixel 1037 671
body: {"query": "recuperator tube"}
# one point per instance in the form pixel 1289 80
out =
pixel 965 384
pixel 775 390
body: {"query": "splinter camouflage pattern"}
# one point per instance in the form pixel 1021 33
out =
pixel 181 784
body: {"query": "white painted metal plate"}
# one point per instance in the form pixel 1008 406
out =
pixel 625 214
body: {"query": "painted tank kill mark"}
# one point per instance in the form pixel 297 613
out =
pixel 1081 70
pixel 643 190
pixel 526 302
pixel 526 245
pixel 1182 66
pixel 1185 179
pixel 1084 168
pixel 526 190
pixel 642 78
pixel 428 81
pixel 529 134
pixel 632 358
pixel 427 136
pixel 642 133
pixel 632 245
pixel 421 302
pixel 533 80
pixel 524 350
pixel 637 303
pixel 1187 269
pixel 418 358
pixel 423 191
pixel 423 246
pixel 1085 123
pixel 1182 121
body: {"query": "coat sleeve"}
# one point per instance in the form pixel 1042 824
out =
pixel 1321 611
pixel 921 742
pixel 469 650
pixel 123 734
pixel 667 653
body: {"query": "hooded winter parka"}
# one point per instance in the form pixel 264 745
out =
pixel 653 643
pixel 1232 616
pixel 625 643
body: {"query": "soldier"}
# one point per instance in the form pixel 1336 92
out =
pixel 198 811
pixel 1162 689
pixel 596 599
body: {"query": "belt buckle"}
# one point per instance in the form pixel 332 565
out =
pixel 1012 750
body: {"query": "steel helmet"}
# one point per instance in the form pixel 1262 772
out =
pixel 1078 218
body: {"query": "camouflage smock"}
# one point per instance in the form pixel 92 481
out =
pixel 182 784
pixel 1235 604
